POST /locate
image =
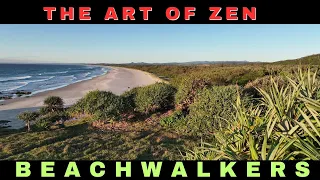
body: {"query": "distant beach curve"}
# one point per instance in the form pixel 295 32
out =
pixel 117 80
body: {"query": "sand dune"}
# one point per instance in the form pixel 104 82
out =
pixel 117 80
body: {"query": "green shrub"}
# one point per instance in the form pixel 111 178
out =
pixel 188 89
pixel 107 103
pixel 52 117
pixel 128 99
pixel 173 119
pixel 42 123
pixel 262 83
pixel 44 110
pixel 77 109
pixel 154 97
pixel 213 107
pixel 248 76
pixel 52 104
pixel 28 117
pixel 45 121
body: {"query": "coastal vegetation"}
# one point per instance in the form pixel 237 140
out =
pixel 283 126
pixel 52 113
pixel 28 117
pixel 258 111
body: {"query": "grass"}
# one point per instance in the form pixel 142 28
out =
pixel 272 120
pixel 79 141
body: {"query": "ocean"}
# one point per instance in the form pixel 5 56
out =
pixel 28 79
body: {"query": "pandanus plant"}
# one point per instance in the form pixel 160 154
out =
pixel 284 126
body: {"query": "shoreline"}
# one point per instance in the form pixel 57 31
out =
pixel 117 80
pixel 46 91
pixel 33 93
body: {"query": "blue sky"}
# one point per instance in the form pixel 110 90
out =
pixel 156 43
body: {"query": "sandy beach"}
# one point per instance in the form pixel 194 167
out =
pixel 117 80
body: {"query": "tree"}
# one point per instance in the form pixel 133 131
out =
pixel 53 104
pixel 28 117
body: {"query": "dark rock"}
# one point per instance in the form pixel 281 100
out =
pixel 4 121
pixel 21 92
pixel 4 124
pixel 5 97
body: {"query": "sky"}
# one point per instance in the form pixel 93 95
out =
pixel 111 43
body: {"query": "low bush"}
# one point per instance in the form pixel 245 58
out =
pixel 247 77
pixel 128 99
pixel 188 89
pixel 77 109
pixel 28 117
pixel 262 83
pixel 44 122
pixel 53 104
pixel 106 104
pixel 213 107
pixel 155 97
pixel 172 120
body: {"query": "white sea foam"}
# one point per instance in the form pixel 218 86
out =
pixel 25 83
pixel 41 80
pixel 14 78
pixel 87 74
pixel 62 72
pixel 16 87
pixel 48 89
pixel 73 79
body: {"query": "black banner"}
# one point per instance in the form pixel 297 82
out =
pixel 159 12
pixel 159 169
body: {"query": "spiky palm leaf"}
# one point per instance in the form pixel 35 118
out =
pixel 287 125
